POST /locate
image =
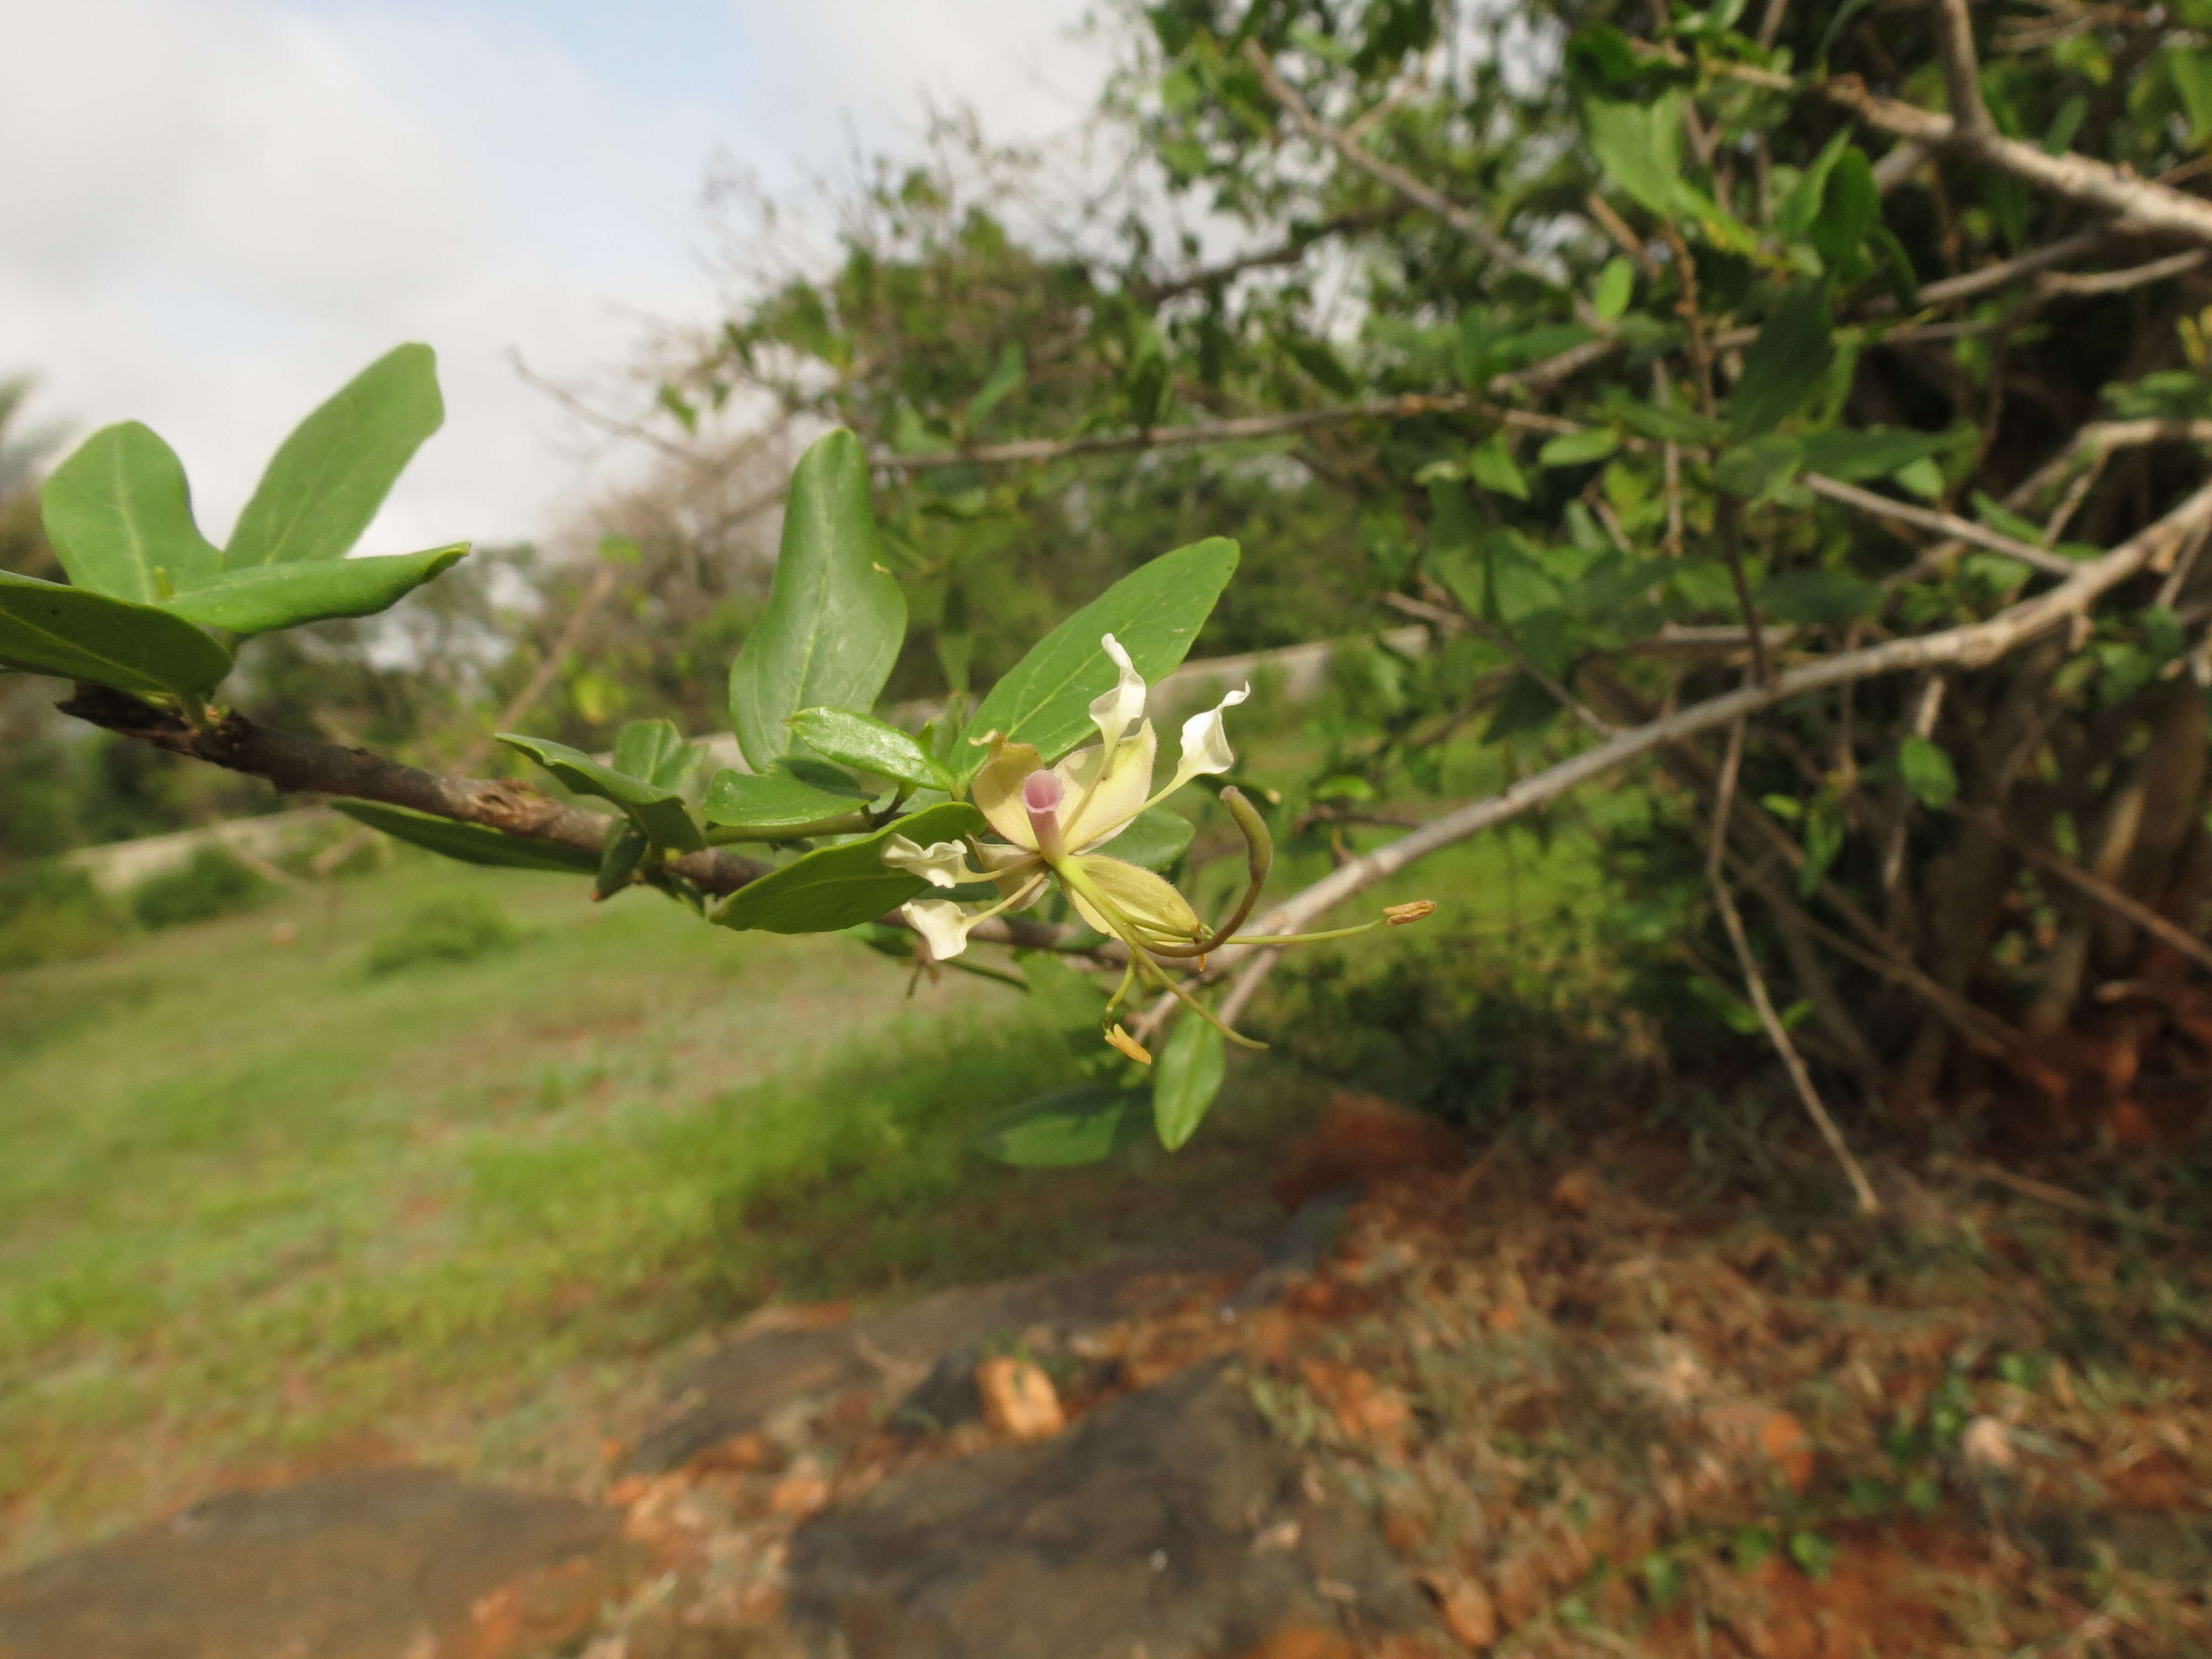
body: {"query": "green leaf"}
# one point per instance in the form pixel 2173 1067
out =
pixel 471 843
pixel 1186 1078
pixel 1524 708
pixel 1006 377
pixel 655 751
pixel 625 848
pixel 1616 286
pixel 1873 451
pixel 1801 206
pixel 868 744
pixel 1928 772
pixel 1922 477
pixel 2190 71
pixel 1754 469
pixel 1821 598
pixel 1578 448
pixel 1155 838
pixel 1491 465
pixel 1640 148
pixel 1069 1000
pixel 1784 365
pixel 1086 1123
pixel 834 617
pixel 1825 831
pixel 50 627
pixel 1849 210
pixel 262 598
pixel 773 804
pixel 843 885
pixel 1154 612
pixel 119 514
pixel 326 481
pixel 658 810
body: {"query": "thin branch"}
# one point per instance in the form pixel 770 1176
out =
pixel 310 766
pixel 2052 863
pixel 1469 225
pixel 1755 982
pixel 1962 74
pixel 1288 251
pixel 1945 524
pixel 1973 645
pixel 2120 281
pixel 2136 205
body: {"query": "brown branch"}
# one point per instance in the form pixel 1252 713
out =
pixel 2120 281
pixel 1962 73
pixel 300 765
pixel 2137 206
pixel 2104 892
pixel 1947 524
pixel 1755 982
pixel 1973 645
pixel 1469 225
pixel 1288 251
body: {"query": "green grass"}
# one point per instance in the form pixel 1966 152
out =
pixel 259 1198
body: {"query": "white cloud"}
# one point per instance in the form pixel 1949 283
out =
pixel 215 210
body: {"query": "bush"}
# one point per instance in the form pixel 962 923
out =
pixel 458 929
pixel 50 912
pixel 212 884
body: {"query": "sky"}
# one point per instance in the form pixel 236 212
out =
pixel 213 212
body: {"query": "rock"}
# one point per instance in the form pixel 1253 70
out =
pixel 1019 1400
pixel 371 1563
pixel 915 1353
pixel 1171 1521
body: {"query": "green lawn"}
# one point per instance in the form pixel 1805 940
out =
pixel 257 1200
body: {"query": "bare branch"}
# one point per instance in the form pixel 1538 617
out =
pixel 1469 225
pixel 1973 645
pixel 1755 982
pixel 1962 74
pixel 2044 859
pixel 1945 524
pixel 2137 205
pixel 2120 281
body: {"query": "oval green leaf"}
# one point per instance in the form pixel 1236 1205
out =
pixel 325 481
pixel 1087 1123
pixel 119 514
pixel 50 627
pixel 772 804
pixel 470 843
pixel 1154 612
pixel 655 751
pixel 1155 838
pixel 659 812
pixel 1186 1078
pixel 868 744
pixel 834 619
pixel 264 598
pixel 844 885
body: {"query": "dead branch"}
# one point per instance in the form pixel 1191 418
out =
pixel 1957 529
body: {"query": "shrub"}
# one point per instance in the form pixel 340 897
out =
pixel 50 912
pixel 213 883
pixel 458 929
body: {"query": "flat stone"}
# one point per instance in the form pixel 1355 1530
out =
pixel 370 1563
pixel 1171 1523
pixel 738 1388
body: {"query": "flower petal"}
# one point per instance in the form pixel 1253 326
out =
pixel 998 793
pixel 1205 742
pixel 941 864
pixel 1093 816
pixel 942 924
pixel 1114 711
pixel 1138 896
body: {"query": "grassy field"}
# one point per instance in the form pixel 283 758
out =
pixel 262 1205
pixel 258 1199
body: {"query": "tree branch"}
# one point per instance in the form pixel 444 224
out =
pixel 1962 73
pixel 1973 645
pixel 1469 225
pixel 1945 524
pixel 2137 205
